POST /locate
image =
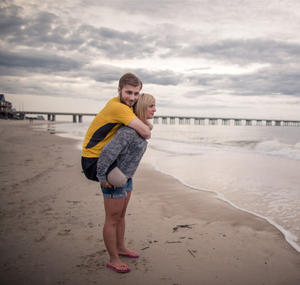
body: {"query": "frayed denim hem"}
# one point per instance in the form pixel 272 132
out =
pixel 114 196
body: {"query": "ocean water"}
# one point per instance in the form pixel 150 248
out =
pixel 256 169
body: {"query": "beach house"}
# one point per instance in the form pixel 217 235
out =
pixel 5 107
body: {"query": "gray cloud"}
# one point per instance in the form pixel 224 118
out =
pixel 46 30
pixel 240 52
pixel 282 80
pixel 44 63
pixel 276 79
pixel 155 8
pixel 9 20
pixel 44 43
pixel 164 77
pixel 108 74
pixel 40 30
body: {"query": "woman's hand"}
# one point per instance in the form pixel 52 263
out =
pixel 106 185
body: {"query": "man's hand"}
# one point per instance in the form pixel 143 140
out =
pixel 106 185
pixel 141 128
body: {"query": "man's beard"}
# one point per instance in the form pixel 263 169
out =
pixel 121 99
pixel 124 102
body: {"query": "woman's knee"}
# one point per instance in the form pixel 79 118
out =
pixel 123 214
pixel 114 209
pixel 114 218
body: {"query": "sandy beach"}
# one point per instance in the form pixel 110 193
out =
pixel 51 220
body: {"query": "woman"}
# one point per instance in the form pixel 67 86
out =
pixel 123 153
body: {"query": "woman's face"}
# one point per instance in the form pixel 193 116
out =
pixel 151 109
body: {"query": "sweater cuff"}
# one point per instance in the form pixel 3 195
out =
pixel 102 179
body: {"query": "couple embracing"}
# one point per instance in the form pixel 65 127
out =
pixel 112 149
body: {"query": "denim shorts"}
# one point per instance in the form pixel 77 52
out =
pixel 117 192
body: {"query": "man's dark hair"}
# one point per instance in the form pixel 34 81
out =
pixel 130 79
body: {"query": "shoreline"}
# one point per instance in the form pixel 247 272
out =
pixel 289 237
pixel 51 220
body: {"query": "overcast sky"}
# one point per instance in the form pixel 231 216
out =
pixel 231 58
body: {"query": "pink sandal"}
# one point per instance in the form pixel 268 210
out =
pixel 130 254
pixel 118 269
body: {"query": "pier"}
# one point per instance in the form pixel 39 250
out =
pixel 211 121
pixel 181 120
pixel 51 116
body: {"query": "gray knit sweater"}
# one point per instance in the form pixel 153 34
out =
pixel 127 148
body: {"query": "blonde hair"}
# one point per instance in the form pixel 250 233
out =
pixel 142 104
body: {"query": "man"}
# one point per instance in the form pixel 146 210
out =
pixel 117 111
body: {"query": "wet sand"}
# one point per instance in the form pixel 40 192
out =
pixel 51 220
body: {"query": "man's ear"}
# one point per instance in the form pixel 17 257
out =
pixel 119 90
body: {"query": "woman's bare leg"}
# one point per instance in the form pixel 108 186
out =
pixel 121 226
pixel 113 210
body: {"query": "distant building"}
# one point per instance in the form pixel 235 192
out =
pixel 5 108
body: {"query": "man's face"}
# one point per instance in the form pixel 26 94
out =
pixel 129 94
